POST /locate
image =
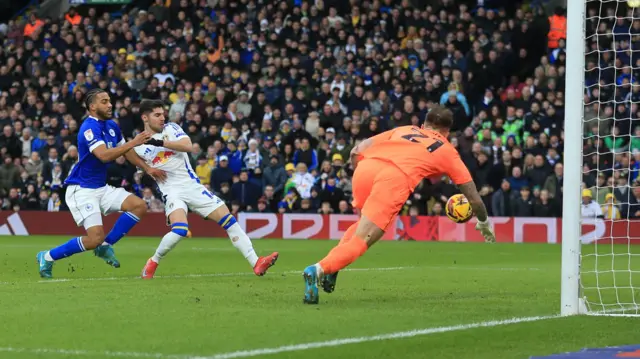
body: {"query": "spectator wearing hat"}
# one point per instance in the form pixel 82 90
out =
pixel 610 208
pixel 342 146
pixel 303 180
pixel 589 208
pixel 252 158
pixel 290 202
pixel 275 175
pixel 337 164
pixel 222 173
pixel 265 147
pixel 243 105
pixel 262 206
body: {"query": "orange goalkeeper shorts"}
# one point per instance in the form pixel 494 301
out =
pixel 380 190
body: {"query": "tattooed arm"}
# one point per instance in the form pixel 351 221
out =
pixel 469 190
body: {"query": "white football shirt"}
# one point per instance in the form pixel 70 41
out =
pixel 175 164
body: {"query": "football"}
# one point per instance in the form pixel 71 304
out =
pixel 458 208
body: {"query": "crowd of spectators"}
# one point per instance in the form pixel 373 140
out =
pixel 274 94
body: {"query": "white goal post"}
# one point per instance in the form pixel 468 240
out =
pixel 574 109
pixel 597 276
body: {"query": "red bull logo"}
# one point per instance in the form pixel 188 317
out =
pixel 162 157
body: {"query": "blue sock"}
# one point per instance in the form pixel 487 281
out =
pixel 227 221
pixel 123 225
pixel 73 246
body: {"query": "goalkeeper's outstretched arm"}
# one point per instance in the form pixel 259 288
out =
pixel 469 190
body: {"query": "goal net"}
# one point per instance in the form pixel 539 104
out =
pixel 610 246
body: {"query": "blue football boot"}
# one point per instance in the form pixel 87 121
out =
pixel 45 265
pixel 311 275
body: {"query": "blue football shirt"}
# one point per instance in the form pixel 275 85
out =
pixel 90 172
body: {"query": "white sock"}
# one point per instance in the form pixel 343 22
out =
pixel 47 257
pixel 168 242
pixel 241 241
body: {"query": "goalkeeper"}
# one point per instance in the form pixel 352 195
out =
pixel 388 168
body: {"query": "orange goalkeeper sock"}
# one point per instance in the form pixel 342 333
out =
pixel 351 231
pixel 346 237
pixel 343 255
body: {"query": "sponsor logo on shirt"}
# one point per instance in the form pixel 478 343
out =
pixel 88 134
pixel 162 157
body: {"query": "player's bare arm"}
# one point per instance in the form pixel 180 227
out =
pixel 105 154
pixel 470 191
pixel 157 174
pixel 182 145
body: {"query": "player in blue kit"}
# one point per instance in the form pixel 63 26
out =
pixel 88 196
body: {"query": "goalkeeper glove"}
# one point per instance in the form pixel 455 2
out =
pixel 486 231
pixel 154 142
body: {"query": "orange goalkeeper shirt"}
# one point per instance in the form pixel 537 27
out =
pixel 418 153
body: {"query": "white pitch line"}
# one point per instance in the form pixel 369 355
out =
pixel 284 348
pixel 374 338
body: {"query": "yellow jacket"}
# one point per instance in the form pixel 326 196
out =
pixel 204 173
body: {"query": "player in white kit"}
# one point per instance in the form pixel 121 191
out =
pixel 168 150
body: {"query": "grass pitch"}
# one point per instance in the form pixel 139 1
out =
pixel 207 304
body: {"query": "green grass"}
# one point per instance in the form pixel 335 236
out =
pixel 207 301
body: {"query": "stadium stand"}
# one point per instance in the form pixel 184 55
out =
pixel 275 94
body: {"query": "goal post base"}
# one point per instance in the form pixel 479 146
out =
pixel 582 306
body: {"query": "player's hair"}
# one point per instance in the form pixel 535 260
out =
pixel 147 106
pixel 440 117
pixel 91 96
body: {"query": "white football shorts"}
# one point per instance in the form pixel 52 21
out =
pixel 87 205
pixel 194 197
